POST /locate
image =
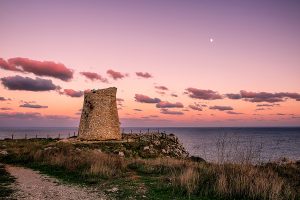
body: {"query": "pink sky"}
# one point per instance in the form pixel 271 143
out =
pixel 254 55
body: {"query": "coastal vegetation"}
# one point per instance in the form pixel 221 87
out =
pixel 162 177
pixel 5 181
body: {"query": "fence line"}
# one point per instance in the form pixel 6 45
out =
pixel 68 135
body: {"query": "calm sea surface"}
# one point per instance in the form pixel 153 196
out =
pixel 213 144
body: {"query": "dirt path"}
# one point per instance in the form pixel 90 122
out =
pixel 32 185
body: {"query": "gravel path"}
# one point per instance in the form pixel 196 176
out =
pixel 32 185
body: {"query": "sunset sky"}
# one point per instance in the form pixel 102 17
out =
pixel 175 63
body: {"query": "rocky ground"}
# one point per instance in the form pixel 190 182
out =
pixel 31 185
pixel 151 145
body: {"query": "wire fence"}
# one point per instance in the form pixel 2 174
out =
pixel 63 134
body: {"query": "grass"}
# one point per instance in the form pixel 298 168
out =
pixel 161 178
pixel 5 181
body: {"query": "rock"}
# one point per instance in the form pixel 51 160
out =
pixel 146 148
pixel 284 161
pixel 3 152
pixel 48 148
pixel 156 142
pixel 197 159
pixel 114 189
pixel 152 145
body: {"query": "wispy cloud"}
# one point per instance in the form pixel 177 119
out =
pixel 170 112
pixel 28 105
pixel 166 104
pixel 116 75
pixel 94 76
pixel 196 106
pixel 144 74
pixel 268 97
pixel 221 108
pixel 203 94
pixel 4 99
pixel 161 87
pixel 72 93
pixel 234 113
pixel 145 99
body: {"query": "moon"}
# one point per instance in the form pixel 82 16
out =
pixel 211 39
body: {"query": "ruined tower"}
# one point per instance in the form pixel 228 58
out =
pixel 99 118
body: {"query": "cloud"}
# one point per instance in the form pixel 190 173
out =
pixel 234 113
pixel 161 87
pixel 265 105
pixel 136 109
pixel 258 109
pixel 29 84
pixel 268 97
pixel 6 108
pixel 28 105
pixel 150 117
pixel 94 76
pixel 174 95
pixel 153 116
pixel 5 65
pixel 144 75
pixel 120 102
pixel 233 96
pixel 4 99
pixel 161 92
pixel 20 119
pixel 166 104
pixel 72 93
pixel 39 68
pixel 295 117
pixel 142 121
pixel 20 115
pixel 221 108
pixel 203 94
pixel 196 106
pixel 116 75
pixel 170 112
pixel 145 99
pixel 59 117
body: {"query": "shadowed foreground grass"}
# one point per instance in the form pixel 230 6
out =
pixel 161 178
pixel 5 181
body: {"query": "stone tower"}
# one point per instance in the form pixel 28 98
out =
pixel 99 118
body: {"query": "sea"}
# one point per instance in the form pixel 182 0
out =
pixel 214 144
